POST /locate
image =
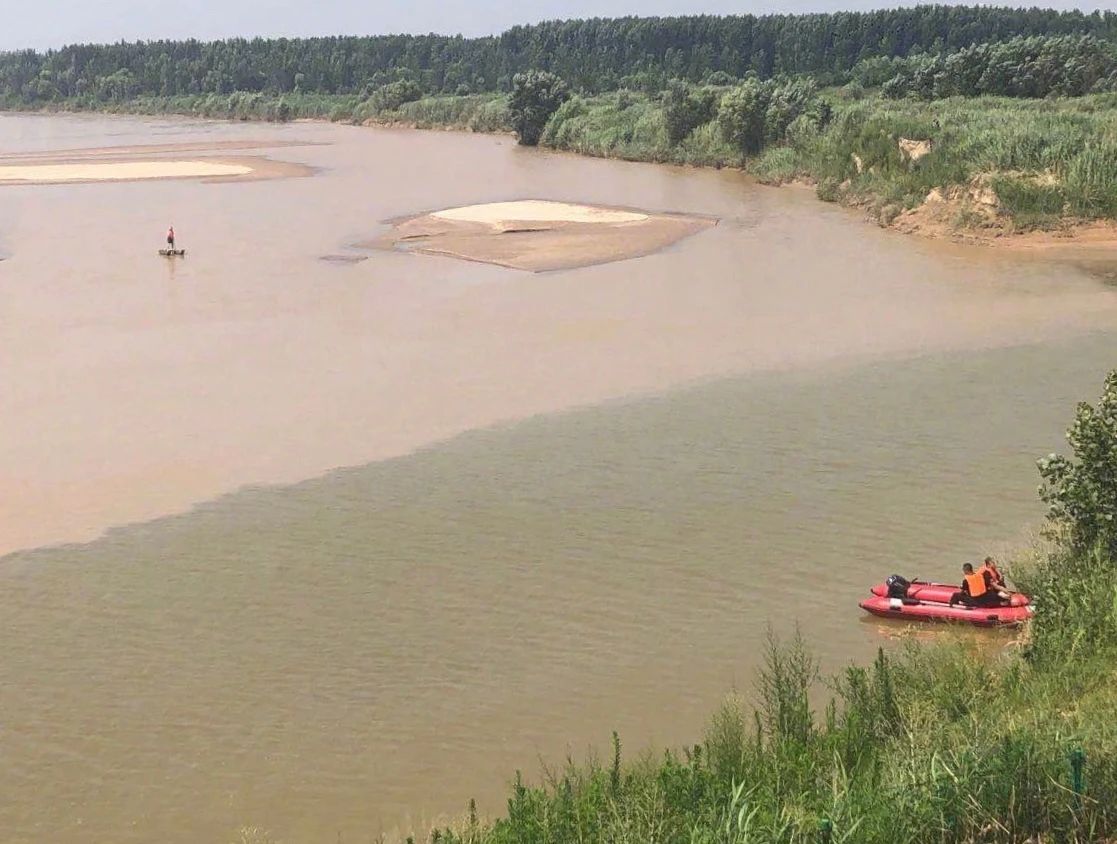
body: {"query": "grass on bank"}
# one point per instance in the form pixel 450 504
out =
pixel 933 745
pixel 1045 160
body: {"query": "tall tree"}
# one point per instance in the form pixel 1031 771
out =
pixel 536 95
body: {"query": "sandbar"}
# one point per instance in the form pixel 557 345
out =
pixel 114 171
pixel 539 235
pixel 145 163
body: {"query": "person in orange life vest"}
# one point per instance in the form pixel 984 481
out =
pixel 996 579
pixel 171 237
pixel 977 590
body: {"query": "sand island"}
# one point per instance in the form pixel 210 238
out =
pixel 112 171
pixel 539 235
pixel 135 163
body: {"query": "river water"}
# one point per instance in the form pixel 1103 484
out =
pixel 329 548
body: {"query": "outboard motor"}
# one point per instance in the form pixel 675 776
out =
pixel 897 586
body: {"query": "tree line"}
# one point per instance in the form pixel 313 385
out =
pixel 1064 66
pixel 590 55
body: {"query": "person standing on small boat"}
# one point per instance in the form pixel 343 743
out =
pixel 171 238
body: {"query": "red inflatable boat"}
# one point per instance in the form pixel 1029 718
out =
pixel 940 593
pixel 931 602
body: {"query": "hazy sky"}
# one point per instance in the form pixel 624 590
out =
pixel 52 23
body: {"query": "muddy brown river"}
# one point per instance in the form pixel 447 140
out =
pixel 329 547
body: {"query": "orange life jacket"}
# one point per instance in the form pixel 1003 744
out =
pixel 976 582
pixel 994 575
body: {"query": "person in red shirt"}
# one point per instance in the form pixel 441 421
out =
pixel 171 238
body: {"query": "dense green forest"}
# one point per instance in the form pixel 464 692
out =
pixel 590 55
pixel 1060 66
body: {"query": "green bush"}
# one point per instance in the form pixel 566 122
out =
pixel 393 95
pixel 1029 201
pixel 1081 491
pixel 1091 179
pixel 536 95
pixel 686 108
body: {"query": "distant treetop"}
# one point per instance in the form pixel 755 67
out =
pixel 590 55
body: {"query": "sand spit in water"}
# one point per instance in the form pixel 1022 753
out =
pixel 540 235
pixel 140 163
pixel 501 215
pixel 113 171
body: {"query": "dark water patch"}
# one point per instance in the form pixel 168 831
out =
pixel 343 259
pixel 396 638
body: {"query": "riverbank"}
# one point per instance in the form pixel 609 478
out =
pixel 1029 174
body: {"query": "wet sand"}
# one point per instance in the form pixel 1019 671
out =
pixel 538 235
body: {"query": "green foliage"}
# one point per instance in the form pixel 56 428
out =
pixel 929 745
pixel 393 95
pixel 1039 66
pixel 1091 179
pixel 777 165
pixel 476 112
pixel 1081 491
pixel 756 114
pixel 874 72
pixel 1030 202
pixel 686 108
pixel 742 114
pixel 1077 616
pixel 602 127
pixel 784 687
pixel 536 95
pixel 595 55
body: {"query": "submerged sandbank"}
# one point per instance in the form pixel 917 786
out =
pixel 539 235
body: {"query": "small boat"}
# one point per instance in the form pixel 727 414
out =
pixel 940 593
pixel 913 609
pixel 173 253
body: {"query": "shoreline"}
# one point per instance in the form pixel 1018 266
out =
pixel 935 219
pixel 1064 242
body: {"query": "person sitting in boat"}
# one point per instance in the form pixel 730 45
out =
pixel 977 590
pixel 996 579
pixel 171 238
